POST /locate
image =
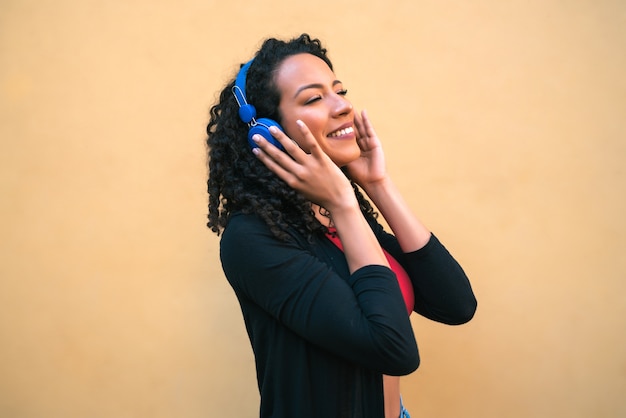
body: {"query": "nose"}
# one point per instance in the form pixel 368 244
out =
pixel 342 106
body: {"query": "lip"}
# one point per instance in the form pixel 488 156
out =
pixel 344 126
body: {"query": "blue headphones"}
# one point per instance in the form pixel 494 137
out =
pixel 247 112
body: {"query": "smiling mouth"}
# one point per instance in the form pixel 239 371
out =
pixel 341 132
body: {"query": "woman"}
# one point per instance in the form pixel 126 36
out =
pixel 323 289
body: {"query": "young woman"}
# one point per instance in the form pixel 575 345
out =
pixel 323 288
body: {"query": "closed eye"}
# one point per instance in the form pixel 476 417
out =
pixel 313 100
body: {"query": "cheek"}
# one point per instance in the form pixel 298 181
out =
pixel 293 130
pixel 315 123
pixel 288 123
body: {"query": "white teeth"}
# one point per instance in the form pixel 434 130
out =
pixel 342 132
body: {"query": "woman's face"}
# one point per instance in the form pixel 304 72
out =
pixel 310 92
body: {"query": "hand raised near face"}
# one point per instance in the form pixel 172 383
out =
pixel 306 168
pixel 370 167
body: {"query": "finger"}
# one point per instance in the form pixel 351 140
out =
pixel 309 143
pixel 280 156
pixel 358 123
pixel 367 123
pixel 274 159
pixel 288 144
pixel 363 137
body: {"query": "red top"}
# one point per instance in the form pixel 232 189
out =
pixel 403 278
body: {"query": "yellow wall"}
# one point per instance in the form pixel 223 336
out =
pixel 504 124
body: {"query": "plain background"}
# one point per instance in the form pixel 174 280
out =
pixel 504 124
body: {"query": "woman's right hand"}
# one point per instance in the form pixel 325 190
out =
pixel 306 168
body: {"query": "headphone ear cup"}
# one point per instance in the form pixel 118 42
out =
pixel 262 127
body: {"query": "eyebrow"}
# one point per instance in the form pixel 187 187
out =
pixel 313 86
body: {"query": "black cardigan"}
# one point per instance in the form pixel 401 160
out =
pixel 322 338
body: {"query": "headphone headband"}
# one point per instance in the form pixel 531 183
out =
pixel 247 112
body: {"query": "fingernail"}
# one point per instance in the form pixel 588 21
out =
pixel 299 122
pixel 256 137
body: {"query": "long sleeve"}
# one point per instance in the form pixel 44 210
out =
pixel 442 290
pixel 360 318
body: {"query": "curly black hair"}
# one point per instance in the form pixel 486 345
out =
pixel 238 181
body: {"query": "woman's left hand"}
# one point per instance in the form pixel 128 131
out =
pixel 370 167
